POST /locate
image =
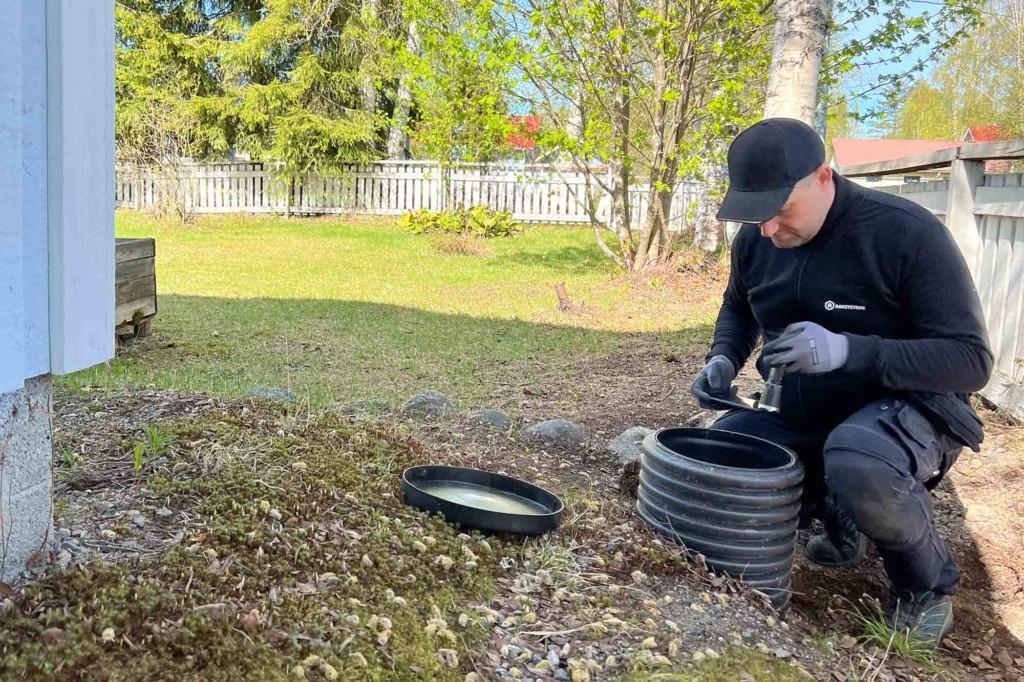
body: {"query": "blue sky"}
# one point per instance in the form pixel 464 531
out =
pixel 866 75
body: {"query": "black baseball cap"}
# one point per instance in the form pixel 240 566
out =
pixel 765 161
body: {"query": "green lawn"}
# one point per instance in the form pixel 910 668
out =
pixel 351 309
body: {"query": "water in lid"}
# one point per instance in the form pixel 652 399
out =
pixel 479 497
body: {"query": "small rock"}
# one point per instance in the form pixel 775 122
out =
pixel 108 534
pixel 63 559
pixel 1005 659
pixel 561 674
pixel 556 432
pixel 782 653
pixel 553 658
pixel 626 446
pixel 163 512
pixel 251 620
pixel 139 521
pixel 54 636
pixel 107 635
pixel 494 419
pixel 448 657
pixel 429 403
pixel 216 610
pixel 270 393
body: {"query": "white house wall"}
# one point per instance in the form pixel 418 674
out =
pixel 12 251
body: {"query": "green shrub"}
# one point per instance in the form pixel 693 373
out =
pixel 478 221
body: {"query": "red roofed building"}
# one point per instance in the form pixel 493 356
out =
pixel 525 135
pixel 989 133
pixel 847 151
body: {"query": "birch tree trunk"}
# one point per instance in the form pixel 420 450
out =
pixel 368 87
pixel 398 138
pixel 801 27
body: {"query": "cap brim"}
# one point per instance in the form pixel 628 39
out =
pixel 753 207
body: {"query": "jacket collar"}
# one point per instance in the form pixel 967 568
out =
pixel 847 193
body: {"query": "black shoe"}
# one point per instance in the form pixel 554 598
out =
pixel 842 545
pixel 926 616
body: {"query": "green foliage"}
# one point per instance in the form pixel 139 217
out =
pixel 735 663
pixel 69 457
pixel 155 444
pixel 652 90
pixel 478 221
pixel 306 85
pixel 279 79
pixel 459 82
pixel 876 631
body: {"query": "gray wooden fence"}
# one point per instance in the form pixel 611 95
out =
pixel 985 214
pixel 535 193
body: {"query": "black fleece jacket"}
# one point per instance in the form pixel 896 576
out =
pixel 883 271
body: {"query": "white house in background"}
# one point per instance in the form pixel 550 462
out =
pixel 56 239
pixel 848 151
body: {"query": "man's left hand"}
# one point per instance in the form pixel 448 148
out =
pixel 808 348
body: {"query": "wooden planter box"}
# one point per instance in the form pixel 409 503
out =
pixel 135 286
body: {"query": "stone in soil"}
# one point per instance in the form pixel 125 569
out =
pixel 429 403
pixel 626 446
pixel 556 432
pixel 495 419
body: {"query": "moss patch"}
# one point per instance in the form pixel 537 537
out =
pixel 299 561
pixel 734 664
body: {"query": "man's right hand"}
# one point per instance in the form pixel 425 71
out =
pixel 715 380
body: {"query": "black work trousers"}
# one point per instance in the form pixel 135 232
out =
pixel 879 465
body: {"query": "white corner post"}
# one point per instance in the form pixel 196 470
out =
pixel 964 179
pixel 80 187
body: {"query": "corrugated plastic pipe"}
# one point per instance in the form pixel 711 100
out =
pixel 732 497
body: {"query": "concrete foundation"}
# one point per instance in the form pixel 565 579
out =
pixel 26 477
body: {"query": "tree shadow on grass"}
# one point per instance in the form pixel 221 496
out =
pixel 333 350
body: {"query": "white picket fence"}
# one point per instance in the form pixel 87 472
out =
pixel 536 193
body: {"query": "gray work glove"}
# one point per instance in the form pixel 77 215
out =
pixel 807 348
pixel 714 380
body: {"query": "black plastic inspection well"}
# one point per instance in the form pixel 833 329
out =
pixel 545 508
